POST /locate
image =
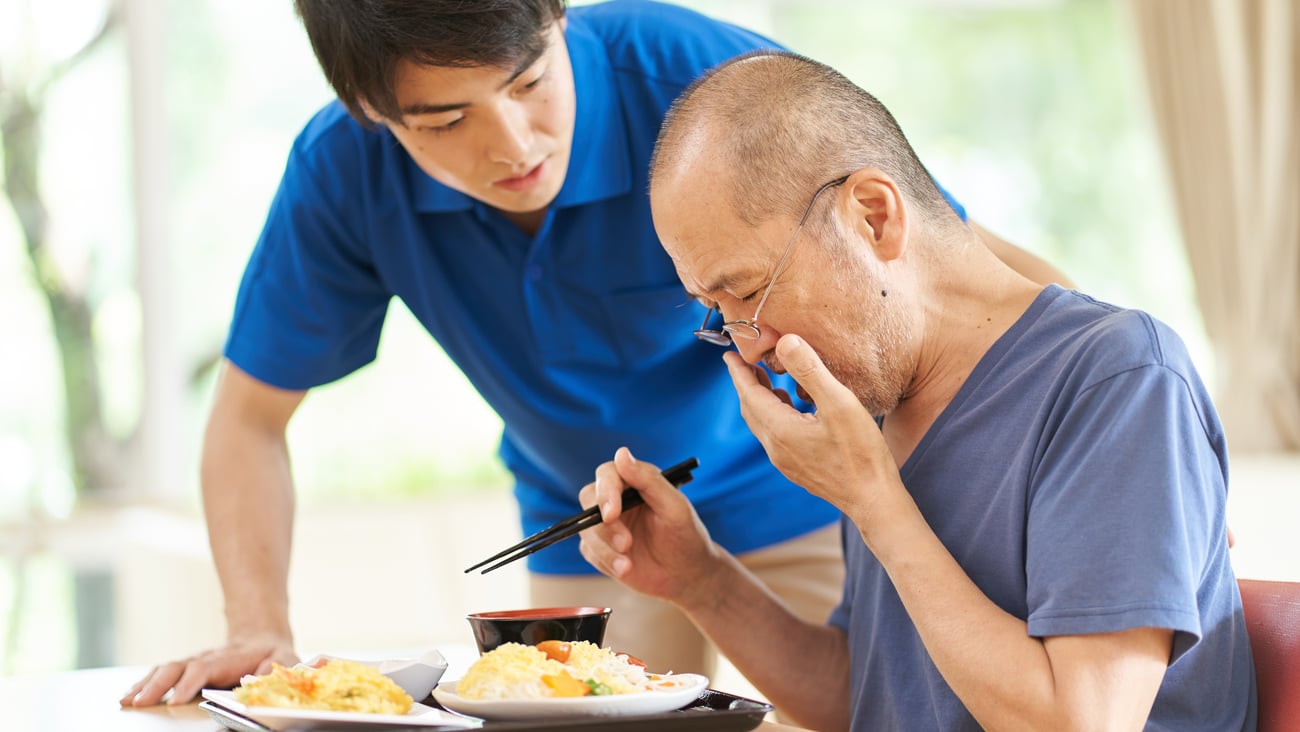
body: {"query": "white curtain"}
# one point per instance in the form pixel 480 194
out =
pixel 1222 79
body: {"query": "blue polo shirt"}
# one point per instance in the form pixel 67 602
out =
pixel 580 337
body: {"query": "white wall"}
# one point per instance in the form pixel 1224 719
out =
pixel 1264 514
pixel 362 577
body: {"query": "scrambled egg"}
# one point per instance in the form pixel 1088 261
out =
pixel 336 685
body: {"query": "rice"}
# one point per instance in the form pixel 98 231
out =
pixel 510 671
pixel 590 661
pixel 515 671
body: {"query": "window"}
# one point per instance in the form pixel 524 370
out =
pixel 1031 113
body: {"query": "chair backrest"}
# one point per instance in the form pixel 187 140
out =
pixel 1273 622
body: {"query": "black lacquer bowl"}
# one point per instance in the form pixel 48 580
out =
pixel 534 625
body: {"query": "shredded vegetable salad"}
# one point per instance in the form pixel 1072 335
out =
pixel 556 669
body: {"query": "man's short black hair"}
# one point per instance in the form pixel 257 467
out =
pixel 360 42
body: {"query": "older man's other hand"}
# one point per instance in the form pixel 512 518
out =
pixel 661 548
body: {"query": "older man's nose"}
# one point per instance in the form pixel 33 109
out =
pixel 751 351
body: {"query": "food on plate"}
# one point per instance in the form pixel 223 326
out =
pixel 555 669
pixel 336 685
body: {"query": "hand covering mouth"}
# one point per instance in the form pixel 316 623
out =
pixel 774 365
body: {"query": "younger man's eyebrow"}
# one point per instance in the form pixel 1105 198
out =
pixel 524 64
pixel 420 108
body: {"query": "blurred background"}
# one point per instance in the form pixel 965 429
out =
pixel 142 142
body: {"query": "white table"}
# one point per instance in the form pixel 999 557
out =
pixel 87 701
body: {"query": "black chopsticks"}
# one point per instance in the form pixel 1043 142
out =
pixel 678 475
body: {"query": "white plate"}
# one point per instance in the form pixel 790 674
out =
pixel 614 705
pixel 282 718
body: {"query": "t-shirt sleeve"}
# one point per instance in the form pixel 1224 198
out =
pixel 311 305
pixel 1122 511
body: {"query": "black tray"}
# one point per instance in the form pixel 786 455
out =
pixel 712 711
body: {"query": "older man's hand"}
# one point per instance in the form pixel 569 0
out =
pixel 837 453
pixel 661 548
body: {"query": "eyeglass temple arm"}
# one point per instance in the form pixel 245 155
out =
pixel 790 247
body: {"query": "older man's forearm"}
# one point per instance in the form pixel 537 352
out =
pixel 800 667
pixel 1006 678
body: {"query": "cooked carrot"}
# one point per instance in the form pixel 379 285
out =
pixel 631 659
pixel 556 650
pixel 565 685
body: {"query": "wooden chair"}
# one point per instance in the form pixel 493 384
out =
pixel 1273 623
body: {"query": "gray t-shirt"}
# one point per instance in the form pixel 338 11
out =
pixel 1080 479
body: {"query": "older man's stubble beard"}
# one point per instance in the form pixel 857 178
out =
pixel 865 341
pixel 868 359
pixel 870 356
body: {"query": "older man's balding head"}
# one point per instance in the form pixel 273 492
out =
pixel 774 126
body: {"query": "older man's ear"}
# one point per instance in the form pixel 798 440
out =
pixel 877 209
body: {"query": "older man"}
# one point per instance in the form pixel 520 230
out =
pixel 1032 482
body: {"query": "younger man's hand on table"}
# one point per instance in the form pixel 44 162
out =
pixel 220 668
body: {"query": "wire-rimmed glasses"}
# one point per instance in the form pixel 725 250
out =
pixel 748 329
